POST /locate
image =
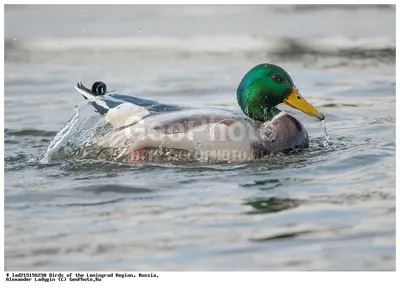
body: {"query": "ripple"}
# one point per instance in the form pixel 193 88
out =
pixel 114 188
pixel 29 132
pixel 97 165
pixel 271 205
pixel 101 203
pixel 282 236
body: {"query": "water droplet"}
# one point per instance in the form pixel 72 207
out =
pixel 226 77
pixel 15 38
pixel 12 136
pixel 83 29
pixel 138 31
pixel 326 142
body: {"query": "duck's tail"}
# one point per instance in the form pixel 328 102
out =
pixel 117 112
pixel 98 88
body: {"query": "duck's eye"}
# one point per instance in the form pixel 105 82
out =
pixel 276 78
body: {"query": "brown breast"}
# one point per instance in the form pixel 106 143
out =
pixel 283 134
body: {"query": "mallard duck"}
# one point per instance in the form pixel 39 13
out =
pixel 146 130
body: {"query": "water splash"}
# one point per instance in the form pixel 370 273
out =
pixel 326 141
pixel 58 139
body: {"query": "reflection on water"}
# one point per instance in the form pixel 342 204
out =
pixel 327 207
pixel 271 205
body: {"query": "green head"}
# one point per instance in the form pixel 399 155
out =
pixel 264 87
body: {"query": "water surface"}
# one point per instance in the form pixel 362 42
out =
pixel 328 207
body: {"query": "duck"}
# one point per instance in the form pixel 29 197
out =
pixel 142 130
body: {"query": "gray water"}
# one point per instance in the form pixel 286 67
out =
pixel 328 207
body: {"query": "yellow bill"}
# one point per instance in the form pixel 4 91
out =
pixel 297 101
